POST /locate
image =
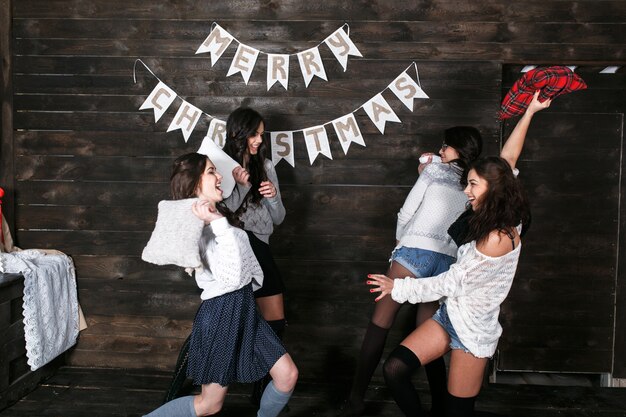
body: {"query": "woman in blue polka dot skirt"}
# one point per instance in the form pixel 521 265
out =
pixel 230 341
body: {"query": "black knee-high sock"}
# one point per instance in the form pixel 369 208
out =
pixel 436 374
pixel 459 407
pixel 259 386
pixel 369 357
pixel 278 326
pixel 398 369
pixel 175 389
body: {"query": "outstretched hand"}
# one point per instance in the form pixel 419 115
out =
pixel 381 283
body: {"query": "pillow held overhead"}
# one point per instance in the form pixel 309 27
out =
pixel 176 235
pixel 551 81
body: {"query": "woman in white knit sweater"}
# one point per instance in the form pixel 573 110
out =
pixel 471 291
pixel 423 248
pixel 230 341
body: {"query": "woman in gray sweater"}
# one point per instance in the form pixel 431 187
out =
pixel 257 203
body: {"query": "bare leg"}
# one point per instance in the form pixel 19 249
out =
pixel 279 390
pixel 284 373
pixel 466 377
pixel 466 374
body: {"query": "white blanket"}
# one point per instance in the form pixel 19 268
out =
pixel 51 318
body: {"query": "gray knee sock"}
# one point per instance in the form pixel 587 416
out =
pixel 273 401
pixel 180 407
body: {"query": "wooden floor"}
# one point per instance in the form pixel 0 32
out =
pixel 116 392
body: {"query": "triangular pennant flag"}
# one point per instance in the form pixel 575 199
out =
pixel 380 112
pixel 217 132
pixel 341 46
pixel 160 100
pixel 216 43
pixel 406 89
pixel 282 147
pixel 186 118
pixel 244 61
pixel 311 65
pixel 317 142
pixel 348 131
pixel 277 70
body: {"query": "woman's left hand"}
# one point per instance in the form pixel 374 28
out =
pixel 381 283
pixel 267 189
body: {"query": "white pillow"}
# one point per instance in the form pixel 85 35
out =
pixel 176 235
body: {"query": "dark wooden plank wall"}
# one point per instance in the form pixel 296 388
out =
pixel 6 112
pixel 560 315
pixel 90 167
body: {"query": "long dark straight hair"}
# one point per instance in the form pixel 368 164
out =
pixel 503 206
pixel 466 140
pixel 187 171
pixel 241 125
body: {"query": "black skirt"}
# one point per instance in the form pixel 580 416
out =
pixel 230 341
pixel 272 280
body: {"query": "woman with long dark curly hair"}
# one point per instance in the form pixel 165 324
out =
pixel 257 203
pixel 471 291
pixel 423 248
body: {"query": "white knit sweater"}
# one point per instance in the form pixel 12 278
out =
pixel 435 201
pixel 472 289
pixel 228 261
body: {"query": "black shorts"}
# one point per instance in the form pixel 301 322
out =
pixel 272 280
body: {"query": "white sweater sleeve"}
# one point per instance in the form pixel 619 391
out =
pixel 412 202
pixel 420 290
pixel 224 255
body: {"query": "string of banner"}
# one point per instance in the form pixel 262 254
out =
pixel 404 87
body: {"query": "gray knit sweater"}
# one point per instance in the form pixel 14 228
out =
pixel 259 218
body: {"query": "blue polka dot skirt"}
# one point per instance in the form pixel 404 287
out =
pixel 230 341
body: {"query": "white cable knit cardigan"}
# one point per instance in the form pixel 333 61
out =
pixel 228 261
pixel 472 289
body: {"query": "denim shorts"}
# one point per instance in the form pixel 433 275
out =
pixel 441 317
pixel 421 262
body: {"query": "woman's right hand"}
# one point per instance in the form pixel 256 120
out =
pixel 205 211
pixel 535 105
pixel 241 176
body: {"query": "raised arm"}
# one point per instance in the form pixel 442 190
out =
pixel 513 146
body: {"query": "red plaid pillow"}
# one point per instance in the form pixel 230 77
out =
pixel 551 81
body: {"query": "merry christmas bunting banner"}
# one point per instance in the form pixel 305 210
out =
pixel 310 60
pixel 316 139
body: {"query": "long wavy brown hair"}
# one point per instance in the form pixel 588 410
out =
pixel 503 206
pixel 241 125
pixel 187 170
